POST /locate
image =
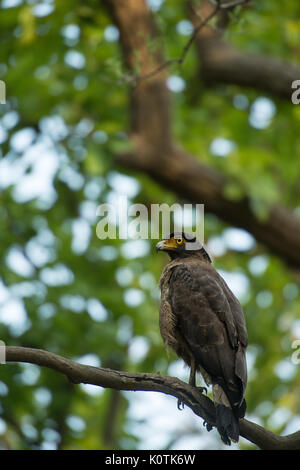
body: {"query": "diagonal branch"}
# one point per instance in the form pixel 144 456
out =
pixel 222 63
pixel 158 156
pixel 200 404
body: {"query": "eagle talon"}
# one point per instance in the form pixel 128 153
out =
pixel 207 425
pixel 180 405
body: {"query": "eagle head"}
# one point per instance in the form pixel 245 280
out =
pixel 182 245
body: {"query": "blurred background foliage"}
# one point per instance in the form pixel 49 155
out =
pixel 96 301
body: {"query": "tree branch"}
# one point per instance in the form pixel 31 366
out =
pixel 157 155
pixel 221 63
pixel 200 404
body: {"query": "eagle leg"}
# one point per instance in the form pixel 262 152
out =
pixel 192 379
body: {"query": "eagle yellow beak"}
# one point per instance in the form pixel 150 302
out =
pixel 165 245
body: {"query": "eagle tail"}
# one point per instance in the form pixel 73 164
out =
pixel 226 418
pixel 227 424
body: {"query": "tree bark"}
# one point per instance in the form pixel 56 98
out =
pixel 200 404
pixel 157 155
pixel 222 63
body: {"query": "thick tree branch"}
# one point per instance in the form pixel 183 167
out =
pixel 156 154
pixel 221 63
pixel 200 404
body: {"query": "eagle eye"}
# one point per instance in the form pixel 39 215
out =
pixel 179 241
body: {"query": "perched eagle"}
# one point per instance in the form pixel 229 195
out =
pixel 203 322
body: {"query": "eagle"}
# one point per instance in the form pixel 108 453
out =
pixel 202 321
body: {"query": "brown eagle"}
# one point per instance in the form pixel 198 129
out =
pixel 203 322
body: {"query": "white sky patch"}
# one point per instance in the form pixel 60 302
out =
pixel 47 310
pixel 51 436
pixel 264 408
pixel 221 147
pixel 123 184
pixel 176 84
pixel 138 348
pixel 43 396
pixel 96 310
pixel 75 59
pixel 293 425
pixel 216 246
pixel 3 134
pixel 125 329
pixel 155 5
pixel 178 369
pixel 285 370
pixel 184 27
pixel 111 33
pixel 295 328
pixel 134 297
pixel 4 390
pixel 108 252
pixel 38 184
pixel 89 360
pixel 237 282
pixel 3 426
pixel 4 292
pixel 88 211
pixel 92 390
pixel 81 232
pixel 10 119
pixel 71 177
pixel 13 314
pixel 54 127
pixel 262 112
pixel 28 289
pixel 124 276
pixel 238 240
pixel 76 423
pixel 71 32
pixel 42 9
pixel 279 417
pixel 94 188
pixel 258 265
pixel 84 127
pixel 76 303
pixel 10 3
pixel 157 424
pixel 147 281
pixel 17 262
pixel 30 374
pixel 32 173
pixel 22 139
pixel 40 249
pixel 58 275
pixel 135 249
pixel 264 299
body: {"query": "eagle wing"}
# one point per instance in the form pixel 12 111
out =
pixel 211 321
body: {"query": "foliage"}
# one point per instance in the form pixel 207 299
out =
pixel 64 290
